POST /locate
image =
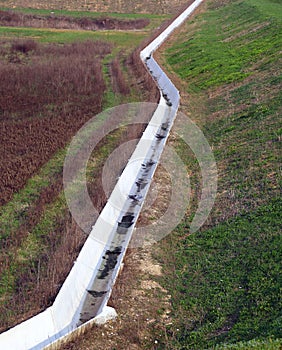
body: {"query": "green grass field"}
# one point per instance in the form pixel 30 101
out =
pixel 224 280
pixel 120 38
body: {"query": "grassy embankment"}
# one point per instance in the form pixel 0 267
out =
pixel 224 280
pixel 36 230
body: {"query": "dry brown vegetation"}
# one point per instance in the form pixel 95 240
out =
pixel 135 6
pixel 118 81
pixel 46 94
pixel 39 281
pixel 17 19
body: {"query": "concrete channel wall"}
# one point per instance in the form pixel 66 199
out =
pixel 83 297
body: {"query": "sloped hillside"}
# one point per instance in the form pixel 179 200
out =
pixel 224 279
